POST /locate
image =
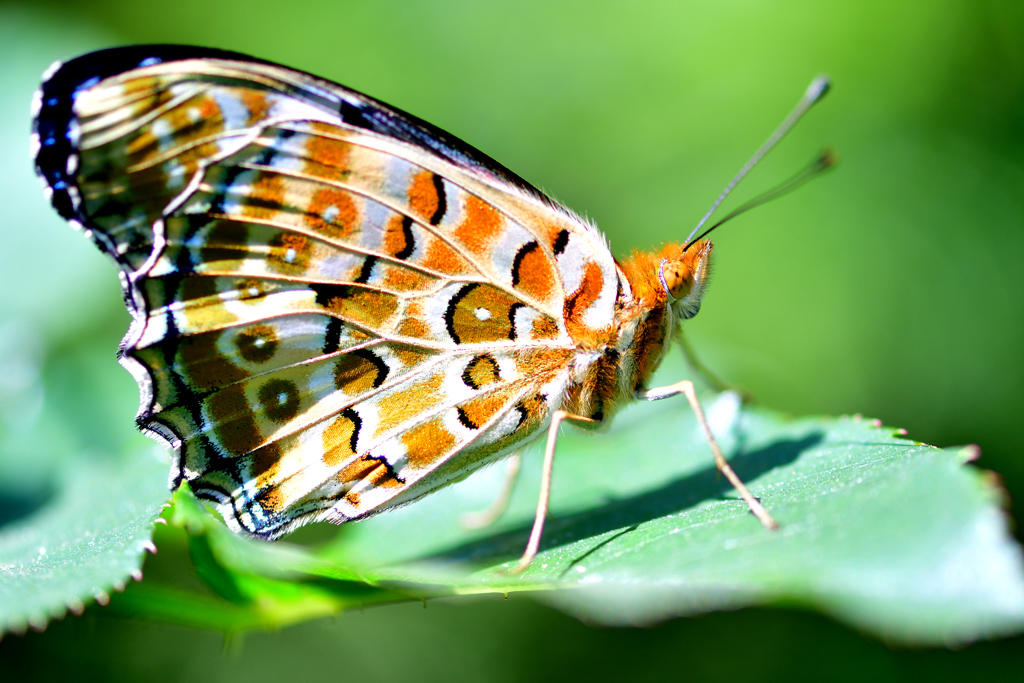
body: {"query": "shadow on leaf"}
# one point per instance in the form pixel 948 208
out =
pixel 17 504
pixel 626 514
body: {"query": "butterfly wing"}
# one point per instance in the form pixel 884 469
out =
pixel 337 307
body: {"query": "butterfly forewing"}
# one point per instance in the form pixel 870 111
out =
pixel 338 308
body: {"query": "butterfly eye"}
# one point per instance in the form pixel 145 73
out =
pixel 676 278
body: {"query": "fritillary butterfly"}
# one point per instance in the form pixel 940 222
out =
pixel 337 307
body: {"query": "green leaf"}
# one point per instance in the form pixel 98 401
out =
pixel 895 537
pixel 890 535
pixel 87 541
pixel 255 584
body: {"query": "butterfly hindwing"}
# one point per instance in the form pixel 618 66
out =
pixel 337 307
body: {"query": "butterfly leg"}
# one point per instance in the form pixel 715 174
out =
pixel 686 388
pixel 490 515
pixel 545 486
pixel 709 377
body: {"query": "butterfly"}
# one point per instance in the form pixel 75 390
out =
pixel 337 307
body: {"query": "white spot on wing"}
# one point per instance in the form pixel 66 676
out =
pixel 434 308
pixel 397 173
pixel 296 110
pixel 51 70
pixel 392 450
pixel 232 109
pixel 37 103
pixel 522 321
pixel 163 132
pixel 602 311
pixel 503 253
pixel 571 262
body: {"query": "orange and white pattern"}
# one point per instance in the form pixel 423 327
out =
pixel 337 307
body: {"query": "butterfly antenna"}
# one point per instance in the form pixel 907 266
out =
pixel 824 161
pixel 815 91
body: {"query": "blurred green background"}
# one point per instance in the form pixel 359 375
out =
pixel 892 287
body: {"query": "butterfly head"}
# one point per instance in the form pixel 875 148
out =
pixel 684 277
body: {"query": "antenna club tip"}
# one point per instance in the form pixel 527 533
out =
pixel 829 157
pixel 818 88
